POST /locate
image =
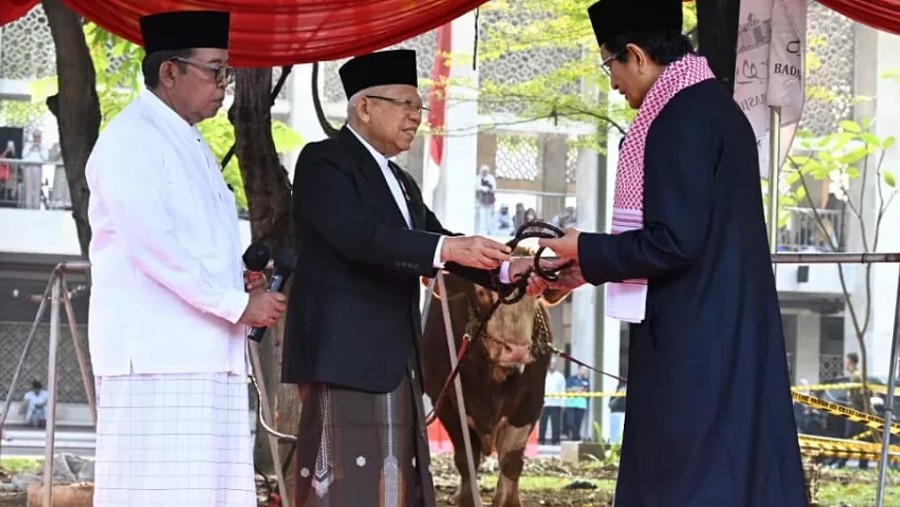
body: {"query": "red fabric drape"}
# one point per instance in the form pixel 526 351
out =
pixel 11 10
pixel 437 101
pixel 268 33
pixel 880 14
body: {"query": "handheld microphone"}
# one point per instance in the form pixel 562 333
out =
pixel 285 262
pixel 256 257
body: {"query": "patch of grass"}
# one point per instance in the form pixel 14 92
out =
pixel 14 466
pixel 855 494
pixel 546 482
pixel 841 488
pixel 856 488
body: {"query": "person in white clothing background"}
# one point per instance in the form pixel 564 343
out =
pixel 554 383
pixel 169 305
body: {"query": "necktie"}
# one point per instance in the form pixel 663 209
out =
pixel 396 170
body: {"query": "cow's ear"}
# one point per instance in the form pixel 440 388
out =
pixel 554 296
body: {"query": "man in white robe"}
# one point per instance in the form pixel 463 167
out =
pixel 169 307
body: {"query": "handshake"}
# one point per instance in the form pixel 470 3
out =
pixel 484 253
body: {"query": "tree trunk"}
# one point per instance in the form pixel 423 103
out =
pixel 76 107
pixel 717 28
pixel 269 199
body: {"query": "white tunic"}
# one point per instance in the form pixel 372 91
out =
pixel 167 291
pixel 174 440
pixel 167 286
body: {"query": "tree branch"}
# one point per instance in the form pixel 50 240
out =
pixel 859 328
pixel 560 109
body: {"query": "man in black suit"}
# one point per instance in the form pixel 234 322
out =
pixel 364 237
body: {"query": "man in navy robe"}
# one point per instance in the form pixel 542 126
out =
pixel 709 421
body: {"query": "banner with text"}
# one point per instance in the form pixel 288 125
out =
pixel 770 70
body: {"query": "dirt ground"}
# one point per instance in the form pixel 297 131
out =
pixel 547 482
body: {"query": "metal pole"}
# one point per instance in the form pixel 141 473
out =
pixel 79 354
pixel 460 401
pixel 75 267
pixel 51 381
pixel 267 412
pixel 25 351
pixel 429 297
pixel 889 403
pixel 774 171
pixel 836 258
pixel 812 258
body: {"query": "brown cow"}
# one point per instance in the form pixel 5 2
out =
pixel 502 378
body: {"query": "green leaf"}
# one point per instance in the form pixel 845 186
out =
pixel 850 126
pixel 888 142
pixel 870 138
pixel 821 171
pixel 853 172
pixel 853 156
pixel 285 138
pixel 889 179
pixel 43 88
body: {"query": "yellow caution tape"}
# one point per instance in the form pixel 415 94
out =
pixel 599 394
pixel 875 388
pixel 827 453
pixel 863 418
pixel 828 387
pixel 843 448
pixel 880 389
pixel 865 434
pixel 618 394
pixel 795 389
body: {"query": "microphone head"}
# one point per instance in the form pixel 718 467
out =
pixel 285 261
pixel 257 256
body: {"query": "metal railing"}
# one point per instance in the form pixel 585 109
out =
pixel 33 185
pixel 57 295
pixel 819 230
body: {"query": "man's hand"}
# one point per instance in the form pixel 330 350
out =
pixel 519 267
pixel 566 246
pixel 254 280
pixel 263 309
pixel 474 251
pixel 569 278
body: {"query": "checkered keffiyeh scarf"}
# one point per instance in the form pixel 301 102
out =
pixel 627 300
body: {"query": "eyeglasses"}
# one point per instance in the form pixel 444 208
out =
pixel 221 73
pixel 607 64
pixel 407 105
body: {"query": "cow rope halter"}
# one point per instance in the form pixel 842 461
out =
pixel 508 293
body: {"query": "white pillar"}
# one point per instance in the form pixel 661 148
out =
pixel 584 299
pixel 303 113
pixel 454 197
pixel 876 52
pixel 884 276
pixel 809 339
pixel 612 328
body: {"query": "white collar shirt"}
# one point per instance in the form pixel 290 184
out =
pixel 167 285
pixel 392 182
pixel 396 191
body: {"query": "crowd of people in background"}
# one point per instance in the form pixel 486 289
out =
pixel 496 219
